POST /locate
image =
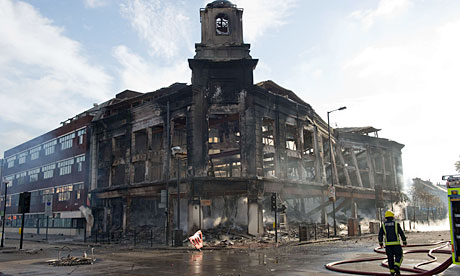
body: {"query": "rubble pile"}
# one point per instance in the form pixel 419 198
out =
pixel 235 237
pixel 71 260
pixel 143 234
pixel 148 233
pixel 225 236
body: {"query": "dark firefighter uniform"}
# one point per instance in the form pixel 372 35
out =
pixel 390 231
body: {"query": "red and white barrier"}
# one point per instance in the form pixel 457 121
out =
pixel 197 239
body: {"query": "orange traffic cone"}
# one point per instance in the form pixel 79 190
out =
pixel 197 240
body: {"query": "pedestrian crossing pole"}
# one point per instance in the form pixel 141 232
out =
pixel 274 206
pixel 4 213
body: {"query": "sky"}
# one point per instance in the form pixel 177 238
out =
pixel 395 64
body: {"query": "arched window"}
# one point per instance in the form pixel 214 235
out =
pixel 222 27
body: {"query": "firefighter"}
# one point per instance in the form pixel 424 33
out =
pixel 391 230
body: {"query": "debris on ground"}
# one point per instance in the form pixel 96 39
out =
pixel 33 251
pixel 70 260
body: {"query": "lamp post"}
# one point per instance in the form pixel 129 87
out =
pixel 178 153
pixel 4 212
pixel 330 161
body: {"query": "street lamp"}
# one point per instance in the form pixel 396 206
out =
pixel 4 212
pixel 330 160
pixel 178 153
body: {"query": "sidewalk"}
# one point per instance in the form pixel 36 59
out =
pixel 12 242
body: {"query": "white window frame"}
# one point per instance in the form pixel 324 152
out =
pixel 35 153
pixel 48 171
pixel 65 167
pixel 64 192
pixel 45 192
pixel 22 158
pixel 10 161
pixel 67 141
pixel 80 135
pixel 80 161
pixel 20 176
pixel 33 174
pixel 50 147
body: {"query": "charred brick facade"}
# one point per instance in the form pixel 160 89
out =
pixel 234 144
pixel 240 142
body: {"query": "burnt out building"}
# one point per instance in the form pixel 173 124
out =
pixel 234 144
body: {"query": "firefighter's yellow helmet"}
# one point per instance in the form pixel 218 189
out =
pixel 389 214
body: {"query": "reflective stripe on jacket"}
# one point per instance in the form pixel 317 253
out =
pixel 391 231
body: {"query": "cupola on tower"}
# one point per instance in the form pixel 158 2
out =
pixel 221 32
pixel 222 78
pixel 222 59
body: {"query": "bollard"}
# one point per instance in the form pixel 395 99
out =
pixel 308 232
pixel 151 237
pixel 328 234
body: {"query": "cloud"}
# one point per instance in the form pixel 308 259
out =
pixel 95 3
pixel 162 24
pixel 385 9
pixel 417 82
pixel 11 138
pixel 260 16
pixel 45 77
pixel 141 75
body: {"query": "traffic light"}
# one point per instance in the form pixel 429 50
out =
pixel 24 203
pixel 273 202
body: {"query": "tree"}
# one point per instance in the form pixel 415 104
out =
pixel 423 197
pixel 457 166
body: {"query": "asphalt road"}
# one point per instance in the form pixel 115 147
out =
pixel 285 260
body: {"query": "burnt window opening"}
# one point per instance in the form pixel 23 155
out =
pixel 347 158
pixel 139 171
pixel 291 137
pixel 156 159
pixel 103 177
pixel 222 25
pixel 269 164
pixel 268 141
pixel 293 160
pixel 327 158
pixel 268 137
pixel 120 146
pixel 179 138
pixel 179 133
pixel 157 138
pixel 387 160
pixel 378 163
pixel 105 151
pixel 293 167
pixel 309 169
pixel 308 148
pixel 224 145
pixel 309 155
pixel 226 167
pixel 118 175
pixel 140 141
pixel 361 158
pixel 326 149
